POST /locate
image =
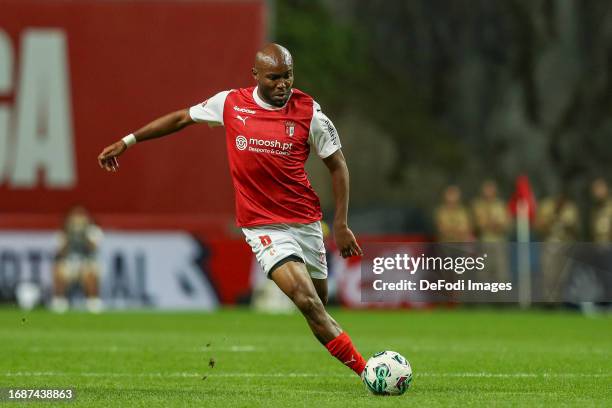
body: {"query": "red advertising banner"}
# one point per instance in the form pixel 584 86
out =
pixel 76 76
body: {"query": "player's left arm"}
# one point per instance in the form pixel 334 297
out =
pixel 345 239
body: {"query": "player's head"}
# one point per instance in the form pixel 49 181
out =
pixel 273 71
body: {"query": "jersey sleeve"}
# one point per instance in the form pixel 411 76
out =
pixel 210 111
pixel 323 134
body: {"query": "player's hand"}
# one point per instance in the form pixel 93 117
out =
pixel 108 158
pixel 346 242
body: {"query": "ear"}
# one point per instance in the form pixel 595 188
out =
pixel 254 73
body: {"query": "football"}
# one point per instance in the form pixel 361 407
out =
pixel 387 373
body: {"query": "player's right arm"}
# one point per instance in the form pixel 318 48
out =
pixel 210 111
pixel 168 124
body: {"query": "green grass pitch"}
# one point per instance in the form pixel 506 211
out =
pixel 460 357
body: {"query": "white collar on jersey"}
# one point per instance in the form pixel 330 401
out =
pixel 265 104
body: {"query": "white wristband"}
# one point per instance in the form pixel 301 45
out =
pixel 129 140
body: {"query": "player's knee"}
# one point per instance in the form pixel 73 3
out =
pixel 309 304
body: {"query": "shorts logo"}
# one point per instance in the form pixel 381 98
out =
pixel 289 128
pixel 241 142
pixel 265 240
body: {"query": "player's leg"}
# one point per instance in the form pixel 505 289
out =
pixel 321 288
pixel 282 259
pixel 310 239
pixel 293 279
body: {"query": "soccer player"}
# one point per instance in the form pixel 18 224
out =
pixel 270 129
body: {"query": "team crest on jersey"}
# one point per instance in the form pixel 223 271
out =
pixel 289 128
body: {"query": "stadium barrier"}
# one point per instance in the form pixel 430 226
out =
pixel 164 269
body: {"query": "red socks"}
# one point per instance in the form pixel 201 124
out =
pixel 343 349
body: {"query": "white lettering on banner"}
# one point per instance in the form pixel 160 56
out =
pixel 137 269
pixel 26 257
pixel 6 63
pixel 155 269
pixel 6 81
pixel 4 142
pixel 42 118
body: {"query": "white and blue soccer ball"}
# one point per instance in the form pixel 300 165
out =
pixel 387 373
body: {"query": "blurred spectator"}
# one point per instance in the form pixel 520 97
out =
pixel 601 212
pixel 76 262
pixel 491 215
pixel 558 222
pixel 452 218
pixel 493 222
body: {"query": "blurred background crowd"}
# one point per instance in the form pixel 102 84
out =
pixel 445 92
pixel 488 217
